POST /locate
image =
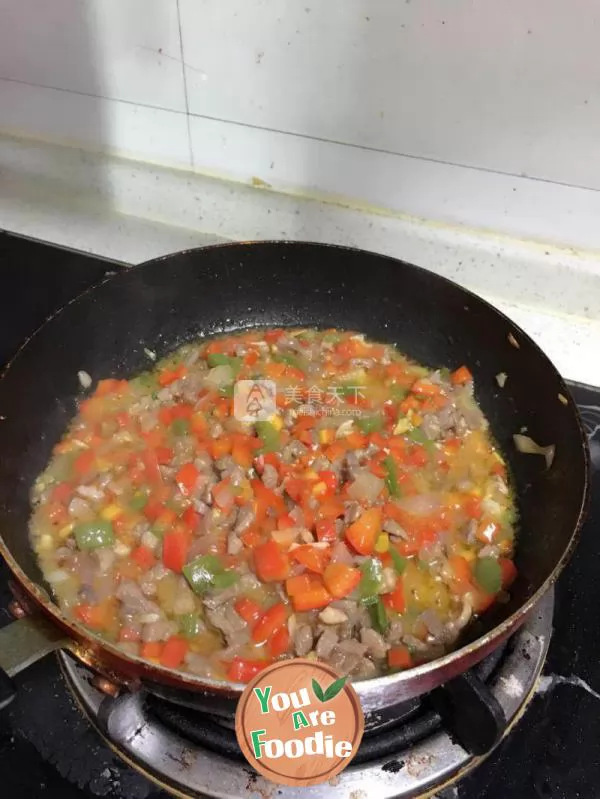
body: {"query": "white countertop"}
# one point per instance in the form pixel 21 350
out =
pixel 131 211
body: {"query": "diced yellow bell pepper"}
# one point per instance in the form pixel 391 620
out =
pixel 383 543
pixel 277 422
pixel 326 436
pixel 111 512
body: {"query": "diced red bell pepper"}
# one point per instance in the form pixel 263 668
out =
pixel 271 564
pixel 326 531
pixel 186 478
pixel 168 376
pixel 341 579
pixel 248 609
pixel 399 657
pixel 62 493
pixel 317 597
pixel 84 462
pixel 298 584
pixel 461 376
pixel 274 618
pixel 362 534
pixel 144 557
pixel 151 650
pixel 315 559
pixel 174 651
pixel 175 549
pixel 243 670
pixel 395 600
pixel 509 572
pixel 279 643
pixel 190 518
pixel 266 500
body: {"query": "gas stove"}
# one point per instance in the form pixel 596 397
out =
pixel 63 737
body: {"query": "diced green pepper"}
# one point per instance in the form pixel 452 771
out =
pixel 397 559
pixel 488 575
pixel 419 437
pixel 207 572
pixel 371 578
pixel 200 572
pixel 146 381
pixel 378 613
pixel 398 393
pixel 269 435
pixel 179 427
pixel 218 359
pixel 189 625
pixel 226 391
pixel 289 359
pixel 225 579
pixel 370 424
pixel 93 535
pixel 391 476
pixel 138 501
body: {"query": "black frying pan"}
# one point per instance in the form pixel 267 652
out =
pixel 205 292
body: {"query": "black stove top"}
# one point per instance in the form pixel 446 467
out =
pixel 48 749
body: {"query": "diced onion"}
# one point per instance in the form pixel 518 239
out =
pixel 501 379
pixel 512 340
pixel 84 378
pixel 57 576
pixel 420 504
pixel 528 446
pixel 150 354
pixel 563 399
pixel 367 487
pixel 220 376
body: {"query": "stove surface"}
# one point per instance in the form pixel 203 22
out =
pixel 48 748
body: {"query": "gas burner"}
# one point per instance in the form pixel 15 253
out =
pixel 191 755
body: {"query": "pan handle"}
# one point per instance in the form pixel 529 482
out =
pixel 22 643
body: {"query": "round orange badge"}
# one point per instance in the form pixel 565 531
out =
pixel 299 723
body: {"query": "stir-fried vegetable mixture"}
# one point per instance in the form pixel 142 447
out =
pixel 364 522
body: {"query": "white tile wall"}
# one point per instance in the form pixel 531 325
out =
pixel 121 49
pixel 434 108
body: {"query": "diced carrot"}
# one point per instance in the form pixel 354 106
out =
pixel 144 557
pixel 95 616
pixel 299 584
pixel 175 549
pixel 335 451
pixel 274 370
pixel 165 416
pixel 472 506
pixel 356 440
pixel 279 642
pixel 509 572
pixel 271 620
pixel 363 533
pixel 174 651
pixel 150 461
pixel 340 579
pixel 399 657
pixel 198 424
pixel 152 650
pixel 111 386
pixel 315 559
pixel 248 609
pixel 331 508
pixel 462 582
pixel 84 462
pixel 220 447
pixel 168 376
pixel 182 410
pixel 271 564
pixel 242 453
pixel 304 423
pixel 424 388
pixel 187 477
pixel 250 358
pixel 461 376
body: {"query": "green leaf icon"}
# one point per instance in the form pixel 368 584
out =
pixel 335 688
pixel 318 691
pixel 331 692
